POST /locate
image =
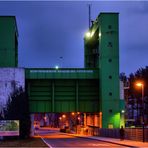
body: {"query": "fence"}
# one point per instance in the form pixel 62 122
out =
pixel 130 133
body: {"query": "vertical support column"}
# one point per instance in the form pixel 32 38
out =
pixel 27 87
pixel 93 118
pixel 53 103
pixel 100 119
pixel 96 120
pixel 77 96
pixel 32 125
pixel 85 120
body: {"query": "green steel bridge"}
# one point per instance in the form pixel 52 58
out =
pixel 93 89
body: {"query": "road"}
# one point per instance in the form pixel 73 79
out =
pixel 55 139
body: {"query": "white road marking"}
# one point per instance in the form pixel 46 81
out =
pixel 46 143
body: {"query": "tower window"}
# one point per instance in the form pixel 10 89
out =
pixel 110 93
pixel 109 44
pixel 109 27
pixel 109 60
pixel 110 77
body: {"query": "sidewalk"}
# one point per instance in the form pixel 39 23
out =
pixel 129 143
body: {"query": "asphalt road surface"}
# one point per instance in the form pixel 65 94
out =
pixel 55 139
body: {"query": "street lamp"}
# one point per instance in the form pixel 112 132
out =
pixel 73 113
pixel 89 34
pixel 56 67
pixel 140 84
pixel 122 111
pixel 64 116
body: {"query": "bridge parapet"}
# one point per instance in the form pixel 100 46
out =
pixel 64 73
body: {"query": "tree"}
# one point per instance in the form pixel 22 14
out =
pixel 135 96
pixel 18 109
pixel 123 77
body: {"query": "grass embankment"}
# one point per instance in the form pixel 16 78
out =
pixel 31 142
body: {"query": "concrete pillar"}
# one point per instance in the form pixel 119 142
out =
pixel 100 119
pixel 85 120
pixel 32 125
pixel 96 120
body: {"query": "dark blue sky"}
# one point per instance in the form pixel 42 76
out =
pixel 49 30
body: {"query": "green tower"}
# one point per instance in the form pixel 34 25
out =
pixel 8 42
pixel 102 51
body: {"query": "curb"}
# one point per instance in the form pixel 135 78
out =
pixel 110 142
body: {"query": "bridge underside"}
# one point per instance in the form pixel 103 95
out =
pixel 63 95
pixel 62 91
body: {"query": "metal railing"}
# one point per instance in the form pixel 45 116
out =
pixel 130 133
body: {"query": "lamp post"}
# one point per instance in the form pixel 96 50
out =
pixel 139 84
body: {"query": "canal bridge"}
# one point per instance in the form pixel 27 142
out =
pixel 94 88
